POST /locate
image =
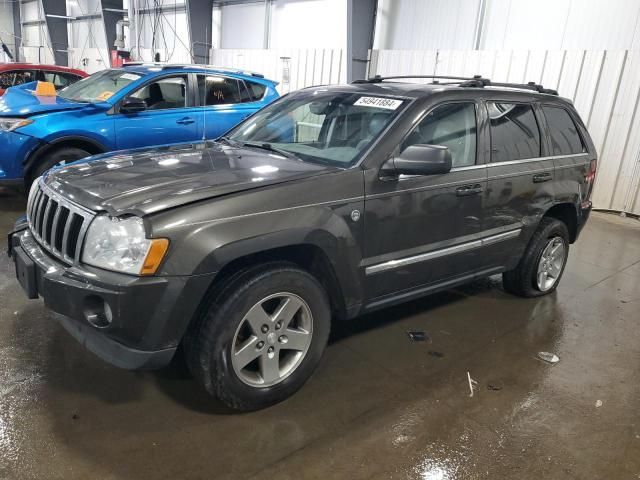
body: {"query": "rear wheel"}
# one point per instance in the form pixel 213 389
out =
pixel 542 264
pixel 261 337
pixel 57 157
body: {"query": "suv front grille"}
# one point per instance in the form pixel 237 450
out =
pixel 57 224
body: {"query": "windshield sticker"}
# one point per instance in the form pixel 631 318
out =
pixel 130 76
pixel 378 102
pixel 104 96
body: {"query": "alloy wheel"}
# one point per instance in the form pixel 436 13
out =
pixel 272 339
pixel 551 262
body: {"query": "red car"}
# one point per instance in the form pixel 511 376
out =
pixel 12 74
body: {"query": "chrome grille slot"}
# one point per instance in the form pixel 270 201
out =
pixel 49 215
pixel 57 224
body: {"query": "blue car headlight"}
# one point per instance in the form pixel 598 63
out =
pixel 10 124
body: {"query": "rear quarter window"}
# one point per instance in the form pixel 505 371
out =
pixel 565 139
pixel 256 90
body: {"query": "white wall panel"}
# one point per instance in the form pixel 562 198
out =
pixel 604 85
pixel 305 67
pixel 426 24
pixel 309 24
pixel 242 26
pixel 509 24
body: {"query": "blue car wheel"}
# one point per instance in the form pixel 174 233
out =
pixel 59 156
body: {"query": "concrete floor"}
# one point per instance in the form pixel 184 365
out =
pixel 379 406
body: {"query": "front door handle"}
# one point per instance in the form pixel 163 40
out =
pixel 542 177
pixel 467 190
pixel 185 121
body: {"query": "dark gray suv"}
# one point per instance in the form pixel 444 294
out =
pixel 331 202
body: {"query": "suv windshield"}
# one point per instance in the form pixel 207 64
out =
pixel 98 87
pixel 320 126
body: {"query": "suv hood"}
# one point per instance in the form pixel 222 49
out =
pixel 149 180
pixel 21 101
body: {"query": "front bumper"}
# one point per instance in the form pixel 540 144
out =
pixel 148 315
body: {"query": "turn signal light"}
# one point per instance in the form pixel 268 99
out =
pixel 157 251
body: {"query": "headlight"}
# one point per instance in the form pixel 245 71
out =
pixel 10 124
pixel 121 245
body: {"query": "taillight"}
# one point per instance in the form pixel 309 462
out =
pixel 589 179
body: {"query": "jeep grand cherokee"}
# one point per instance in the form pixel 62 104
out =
pixel 331 202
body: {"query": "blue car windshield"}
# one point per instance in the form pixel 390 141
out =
pixel 320 126
pixel 98 87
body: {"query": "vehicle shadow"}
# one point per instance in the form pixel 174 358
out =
pixel 176 382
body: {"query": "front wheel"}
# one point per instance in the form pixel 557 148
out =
pixel 58 157
pixel 261 337
pixel 543 262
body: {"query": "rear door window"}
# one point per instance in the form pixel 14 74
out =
pixel 565 139
pixel 514 131
pixel 219 90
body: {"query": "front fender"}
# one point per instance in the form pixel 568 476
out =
pixel 201 247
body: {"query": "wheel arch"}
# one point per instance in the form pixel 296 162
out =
pixel 308 256
pixel 568 214
pixel 90 145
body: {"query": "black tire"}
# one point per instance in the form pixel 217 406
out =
pixel 53 158
pixel 522 280
pixel 209 343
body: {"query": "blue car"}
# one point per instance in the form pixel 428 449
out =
pixel 138 105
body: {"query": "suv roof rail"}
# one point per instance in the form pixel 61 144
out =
pixel 477 81
pixel 182 65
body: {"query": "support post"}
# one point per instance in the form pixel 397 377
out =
pixel 57 26
pixel 200 13
pixel 361 19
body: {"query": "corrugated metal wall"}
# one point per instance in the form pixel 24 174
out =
pixel 604 85
pixel 294 69
pixel 508 24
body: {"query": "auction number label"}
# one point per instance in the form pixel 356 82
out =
pixel 378 102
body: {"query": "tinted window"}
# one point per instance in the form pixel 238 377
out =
pixel 16 77
pixel 256 90
pixel 217 90
pixel 245 95
pixel 60 80
pixel 453 126
pixel 163 94
pixel 514 132
pixel 6 79
pixel 565 138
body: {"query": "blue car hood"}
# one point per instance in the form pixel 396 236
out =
pixel 21 101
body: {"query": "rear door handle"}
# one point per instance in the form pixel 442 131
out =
pixel 185 121
pixel 467 190
pixel 542 177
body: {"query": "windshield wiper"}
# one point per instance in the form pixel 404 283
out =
pixel 233 143
pixel 268 146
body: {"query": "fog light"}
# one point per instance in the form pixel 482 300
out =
pixel 97 311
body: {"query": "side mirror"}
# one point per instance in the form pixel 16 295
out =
pixel 419 160
pixel 133 105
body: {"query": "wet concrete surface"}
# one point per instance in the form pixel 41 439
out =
pixel 379 406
